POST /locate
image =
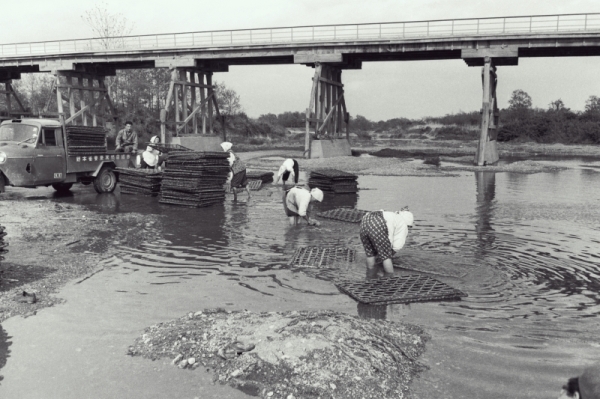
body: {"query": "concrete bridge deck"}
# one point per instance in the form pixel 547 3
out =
pixel 347 46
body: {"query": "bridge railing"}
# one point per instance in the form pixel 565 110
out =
pixel 315 34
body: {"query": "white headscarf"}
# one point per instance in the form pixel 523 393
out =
pixel 226 146
pixel 317 194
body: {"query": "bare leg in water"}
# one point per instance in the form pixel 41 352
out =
pixel 388 267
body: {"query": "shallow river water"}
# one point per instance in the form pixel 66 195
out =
pixel 523 247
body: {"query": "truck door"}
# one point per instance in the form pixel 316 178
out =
pixel 49 159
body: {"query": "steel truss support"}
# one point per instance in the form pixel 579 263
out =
pixel 191 102
pixel 326 113
pixel 11 94
pixel 86 97
pixel 487 150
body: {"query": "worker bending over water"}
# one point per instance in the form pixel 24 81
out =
pixel 151 158
pixel 297 204
pixel 237 176
pixel 288 168
pixel 382 234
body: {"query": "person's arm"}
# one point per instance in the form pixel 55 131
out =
pixel 119 140
pixel 398 234
pixel 304 208
pixel 135 141
pixel 280 173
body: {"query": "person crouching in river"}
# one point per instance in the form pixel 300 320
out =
pixel 297 204
pixel 382 234
pixel 288 168
pixel 237 176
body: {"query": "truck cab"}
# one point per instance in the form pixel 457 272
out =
pixel 34 152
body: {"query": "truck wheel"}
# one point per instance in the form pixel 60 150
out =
pixel 62 187
pixel 106 181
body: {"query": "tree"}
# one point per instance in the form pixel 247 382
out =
pixel 592 104
pixel 35 90
pixel 228 100
pixel 519 100
pixel 360 123
pixel 107 27
pixel 268 118
pixel 557 105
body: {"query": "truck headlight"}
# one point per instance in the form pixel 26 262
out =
pixel 2 157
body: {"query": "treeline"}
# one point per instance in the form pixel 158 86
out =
pixel 139 95
pixel 521 122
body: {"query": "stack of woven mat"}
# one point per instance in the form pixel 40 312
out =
pixel 3 244
pixel 139 181
pixel 168 148
pixel 333 180
pixel 86 140
pixel 265 177
pixel 194 179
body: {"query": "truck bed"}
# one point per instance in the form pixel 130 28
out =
pixel 90 162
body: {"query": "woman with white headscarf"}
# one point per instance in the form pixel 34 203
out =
pixel 297 201
pixel 383 234
pixel 237 176
pixel 151 158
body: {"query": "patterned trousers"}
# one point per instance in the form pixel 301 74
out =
pixel 374 236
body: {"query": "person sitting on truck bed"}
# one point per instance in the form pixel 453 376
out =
pixel 127 139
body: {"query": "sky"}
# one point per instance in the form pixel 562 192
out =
pixel 378 91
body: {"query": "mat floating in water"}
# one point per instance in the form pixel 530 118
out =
pixel 344 214
pixel 322 256
pixel 265 177
pixel 255 184
pixel 399 289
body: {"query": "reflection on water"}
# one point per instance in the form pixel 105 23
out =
pixel 485 183
pixel 524 247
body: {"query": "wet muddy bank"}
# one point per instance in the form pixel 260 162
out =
pixel 297 354
pixel 51 244
pixel 393 166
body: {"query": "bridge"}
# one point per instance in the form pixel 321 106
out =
pixel 81 65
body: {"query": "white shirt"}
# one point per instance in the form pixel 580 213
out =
pixel 288 165
pixel 231 160
pixel 298 200
pixel 151 156
pixel 397 229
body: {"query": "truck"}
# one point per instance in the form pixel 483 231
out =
pixel 35 152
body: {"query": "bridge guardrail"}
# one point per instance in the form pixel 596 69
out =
pixel 321 33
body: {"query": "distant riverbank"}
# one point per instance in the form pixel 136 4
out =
pixel 423 157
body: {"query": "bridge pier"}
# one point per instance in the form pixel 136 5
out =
pixel 191 101
pixel 86 96
pixel 487 150
pixel 488 58
pixel 327 107
pixel 11 94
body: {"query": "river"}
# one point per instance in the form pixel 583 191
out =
pixel 524 247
